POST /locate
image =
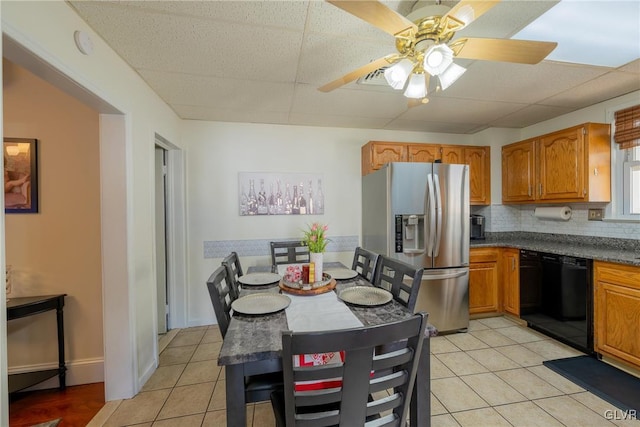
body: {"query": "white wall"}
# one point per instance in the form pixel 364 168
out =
pixel 217 152
pixel 46 29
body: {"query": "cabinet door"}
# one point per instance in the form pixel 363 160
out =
pixel 511 281
pixel 518 172
pixel 483 281
pixel 382 153
pixel 423 153
pixel 478 159
pixel 617 311
pixel 452 154
pixel 562 166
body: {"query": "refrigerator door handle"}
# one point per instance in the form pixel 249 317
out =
pixel 438 229
pixel 445 275
pixel 432 215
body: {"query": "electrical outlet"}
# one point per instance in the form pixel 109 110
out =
pixel 596 214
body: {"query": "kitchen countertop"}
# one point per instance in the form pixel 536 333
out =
pixel 623 251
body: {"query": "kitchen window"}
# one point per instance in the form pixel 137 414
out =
pixel 631 182
pixel 625 163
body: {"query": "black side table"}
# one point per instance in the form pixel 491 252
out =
pixel 29 306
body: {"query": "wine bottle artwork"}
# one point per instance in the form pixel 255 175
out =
pixel 272 193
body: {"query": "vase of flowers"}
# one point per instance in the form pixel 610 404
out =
pixel 316 240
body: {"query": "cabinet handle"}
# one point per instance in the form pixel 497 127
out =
pixel 541 189
pixel 513 264
pixel 529 190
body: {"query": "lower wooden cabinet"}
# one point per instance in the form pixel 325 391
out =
pixel 511 281
pixel 617 311
pixel 484 280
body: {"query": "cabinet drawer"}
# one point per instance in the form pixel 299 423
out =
pixel 620 274
pixel 483 255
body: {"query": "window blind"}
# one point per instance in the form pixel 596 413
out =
pixel 627 124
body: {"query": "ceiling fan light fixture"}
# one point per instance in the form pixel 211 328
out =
pixel 417 86
pixel 450 75
pixel 398 73
pixel 437 59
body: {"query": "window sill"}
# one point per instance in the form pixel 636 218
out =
pixel 622 219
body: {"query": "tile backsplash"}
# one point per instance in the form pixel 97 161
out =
pixel 500 218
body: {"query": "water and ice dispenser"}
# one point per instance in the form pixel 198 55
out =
pixel 410 234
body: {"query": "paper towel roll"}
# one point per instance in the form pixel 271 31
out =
pixel 562 213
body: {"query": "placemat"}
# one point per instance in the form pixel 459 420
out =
pixel 319 313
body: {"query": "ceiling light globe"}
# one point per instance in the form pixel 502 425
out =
pixel 437 58
pixel 417 86
pixel 396 75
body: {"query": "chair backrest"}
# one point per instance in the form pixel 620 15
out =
pixel 222 295
pixel 234 270
pixel 289 252
pixel 364 262
pixel 365 371
pixel 399 278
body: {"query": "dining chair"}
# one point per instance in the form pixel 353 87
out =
pixel 234 271
pixel 359 379
pixel 257 388
pixel 399 278
pixel 289 252
pixel 364 262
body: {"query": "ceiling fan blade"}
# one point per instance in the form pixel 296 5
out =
pixel 376 14
pixel 467 11
pixel 505 50
pixel 359 72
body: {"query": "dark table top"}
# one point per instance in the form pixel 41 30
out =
pixel 257 338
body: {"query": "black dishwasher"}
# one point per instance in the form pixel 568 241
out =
pixel 555 297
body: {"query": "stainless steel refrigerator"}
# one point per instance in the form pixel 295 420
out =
pixel 419 214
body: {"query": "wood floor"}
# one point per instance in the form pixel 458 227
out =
pixel 76 406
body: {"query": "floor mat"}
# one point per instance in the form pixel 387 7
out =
pixel 605 381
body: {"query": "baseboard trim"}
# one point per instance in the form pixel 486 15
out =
pixel 85 371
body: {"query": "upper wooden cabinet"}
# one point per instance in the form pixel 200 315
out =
pixel 518 172
pixel 423 153
pixel 376 153
pixel 571 165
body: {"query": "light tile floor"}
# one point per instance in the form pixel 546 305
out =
pixel 491 376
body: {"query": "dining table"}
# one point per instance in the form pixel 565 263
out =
pixel 253 345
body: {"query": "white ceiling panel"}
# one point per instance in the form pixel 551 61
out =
pixel 234 94
pixel 530 115
pixel 262 62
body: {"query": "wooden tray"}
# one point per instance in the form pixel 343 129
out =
pixel 315 291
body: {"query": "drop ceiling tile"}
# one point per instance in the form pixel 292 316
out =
pixel 283 14
pixel 223 93
pixel 336 120
pixel 460 110
pixel 529 115
pixel 505 19
pixel 608 86
pixel 631 67
pixel 436 127
pixel 328 19
pixel 356 103
pixel 224 115
pixel 521 83
pixel 196 46
pixel 325 58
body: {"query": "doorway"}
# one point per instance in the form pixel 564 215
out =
pixel 161 238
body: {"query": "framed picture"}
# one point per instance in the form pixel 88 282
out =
pixel 20 175
pixel 271 193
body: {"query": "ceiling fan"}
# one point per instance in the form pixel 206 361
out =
pixel 425 45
